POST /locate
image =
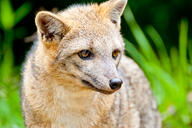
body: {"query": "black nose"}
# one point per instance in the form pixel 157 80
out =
pixel 115 83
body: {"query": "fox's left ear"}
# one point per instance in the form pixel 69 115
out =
pixel 114 9
pixel 51 28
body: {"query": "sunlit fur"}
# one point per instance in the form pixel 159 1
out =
pixel 53 92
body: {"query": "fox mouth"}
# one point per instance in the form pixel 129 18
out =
pixel 89 85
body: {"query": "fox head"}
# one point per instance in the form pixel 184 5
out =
pixel 83 45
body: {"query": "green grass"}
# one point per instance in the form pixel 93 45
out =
pixel 10 110
pixel 170 74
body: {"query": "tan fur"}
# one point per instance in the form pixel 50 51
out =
pixel 53 94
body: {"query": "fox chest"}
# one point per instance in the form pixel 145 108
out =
pixel 119 114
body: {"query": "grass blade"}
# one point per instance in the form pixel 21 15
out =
pixel 139 36
pixel 133 52
pixel 6 14
pixel 162 51
pixel 21 12
pixel 183 45
pixel 190 51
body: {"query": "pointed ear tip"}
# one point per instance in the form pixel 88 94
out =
pixel 125 1
pixel 43 13
pixel 40 16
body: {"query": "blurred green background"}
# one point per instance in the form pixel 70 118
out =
pixel 157 34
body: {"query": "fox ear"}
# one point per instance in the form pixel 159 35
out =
pixel 50 27
pixel 115 9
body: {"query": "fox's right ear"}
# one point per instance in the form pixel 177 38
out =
pixel 50 27
pixel 113 9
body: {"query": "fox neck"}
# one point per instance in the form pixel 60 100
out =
pixel 83 105
pixel 76 106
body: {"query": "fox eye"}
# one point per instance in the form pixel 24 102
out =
pixel 85 54
pixel 115 54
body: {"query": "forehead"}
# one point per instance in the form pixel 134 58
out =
pixel 88 38
pixel 95 37
pixel 103 39
pixel 90 28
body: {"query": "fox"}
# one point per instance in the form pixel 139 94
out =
pixel 76 74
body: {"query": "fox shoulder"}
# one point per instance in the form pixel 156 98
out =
pixel 142 94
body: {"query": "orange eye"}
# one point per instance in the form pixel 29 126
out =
pixel 85 54
pixel 115 54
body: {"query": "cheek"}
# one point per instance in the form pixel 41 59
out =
pixel 84 65
pixel 71 67
pixel 74 66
